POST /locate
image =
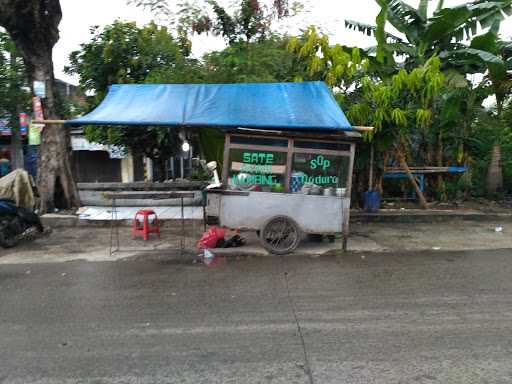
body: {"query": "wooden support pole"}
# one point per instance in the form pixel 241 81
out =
pixel 48 121
pixel 370 176
pixel 363 129
pixel 225 161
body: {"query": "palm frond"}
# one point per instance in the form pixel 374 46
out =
pixel 472 54
pixel 423 9
pixel 404 18
pixel 369 30
pixel 461 22
pixel 157 7
pixel 402 49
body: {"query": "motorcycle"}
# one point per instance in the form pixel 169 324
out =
pixel 17 223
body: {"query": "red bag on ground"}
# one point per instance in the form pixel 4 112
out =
pixel 210 238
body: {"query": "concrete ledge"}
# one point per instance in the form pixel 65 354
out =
pixel 96 198
pixel 55 220
pixel 143 186
pixel 425 216
pixel 63 221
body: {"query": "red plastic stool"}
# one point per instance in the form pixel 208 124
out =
pixel 144 228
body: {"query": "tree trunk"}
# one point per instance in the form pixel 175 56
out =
pixel 33 26
pixel 439 161
pixel 380 183
pixel 16 149
pixel 16 143
pixel 468 175
pixel 495 174
pixel 403 164
pixel 54 174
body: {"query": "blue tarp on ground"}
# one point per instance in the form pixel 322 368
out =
pixel 305 105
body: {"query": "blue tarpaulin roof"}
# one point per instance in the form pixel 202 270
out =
pixel 305 105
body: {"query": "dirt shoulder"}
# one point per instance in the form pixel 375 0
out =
pixel 93 243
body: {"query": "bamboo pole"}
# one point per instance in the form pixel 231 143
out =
pixel 355 128
pixel 48 121
pixel 363 129
pixel 401 159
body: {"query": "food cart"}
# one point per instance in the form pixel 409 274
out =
pixel 285 185
pixel 288 154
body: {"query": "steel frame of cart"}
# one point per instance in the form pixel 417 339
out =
pixel 278 163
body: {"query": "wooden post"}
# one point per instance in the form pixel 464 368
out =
pixel 370 177
pixel 403 164
pixel 289 164
pixel 225 165
pixel 351 169
pixel 346 215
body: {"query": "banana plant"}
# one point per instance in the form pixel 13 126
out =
pixel 397 106
pixel 492 56
pixel 425 36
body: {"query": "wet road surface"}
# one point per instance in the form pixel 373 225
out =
pixel 381 318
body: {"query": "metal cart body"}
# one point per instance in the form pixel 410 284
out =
pixel 250 210
pixel 288 214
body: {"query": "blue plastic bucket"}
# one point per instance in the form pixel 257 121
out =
pixel 371 201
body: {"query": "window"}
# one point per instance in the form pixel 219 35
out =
pixel 257 170
pixel 260 164
pixel 323 170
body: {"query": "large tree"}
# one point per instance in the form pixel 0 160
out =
pixel 33 26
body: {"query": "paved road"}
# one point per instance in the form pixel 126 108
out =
pixel 409 318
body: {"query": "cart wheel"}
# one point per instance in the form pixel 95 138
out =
pixel 280 235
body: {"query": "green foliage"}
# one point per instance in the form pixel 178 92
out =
pixel 153 142
pixel 490 129
pixel 400 103
pixel 211 142
pixel 446 104
pixel 263 61
pixel 425 36
pixel 124 53
pixel 243 20
pixel 339 66
pixel 14 91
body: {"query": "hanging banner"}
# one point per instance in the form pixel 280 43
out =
pixel 38 108
pixel 34 134
pixel 117 152
pixel 24 123
pixel 40 88
pixel 82 144
pixel 5 129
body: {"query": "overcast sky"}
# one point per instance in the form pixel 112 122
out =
pixel 79 16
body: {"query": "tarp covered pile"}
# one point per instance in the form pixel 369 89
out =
pixel 17 186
